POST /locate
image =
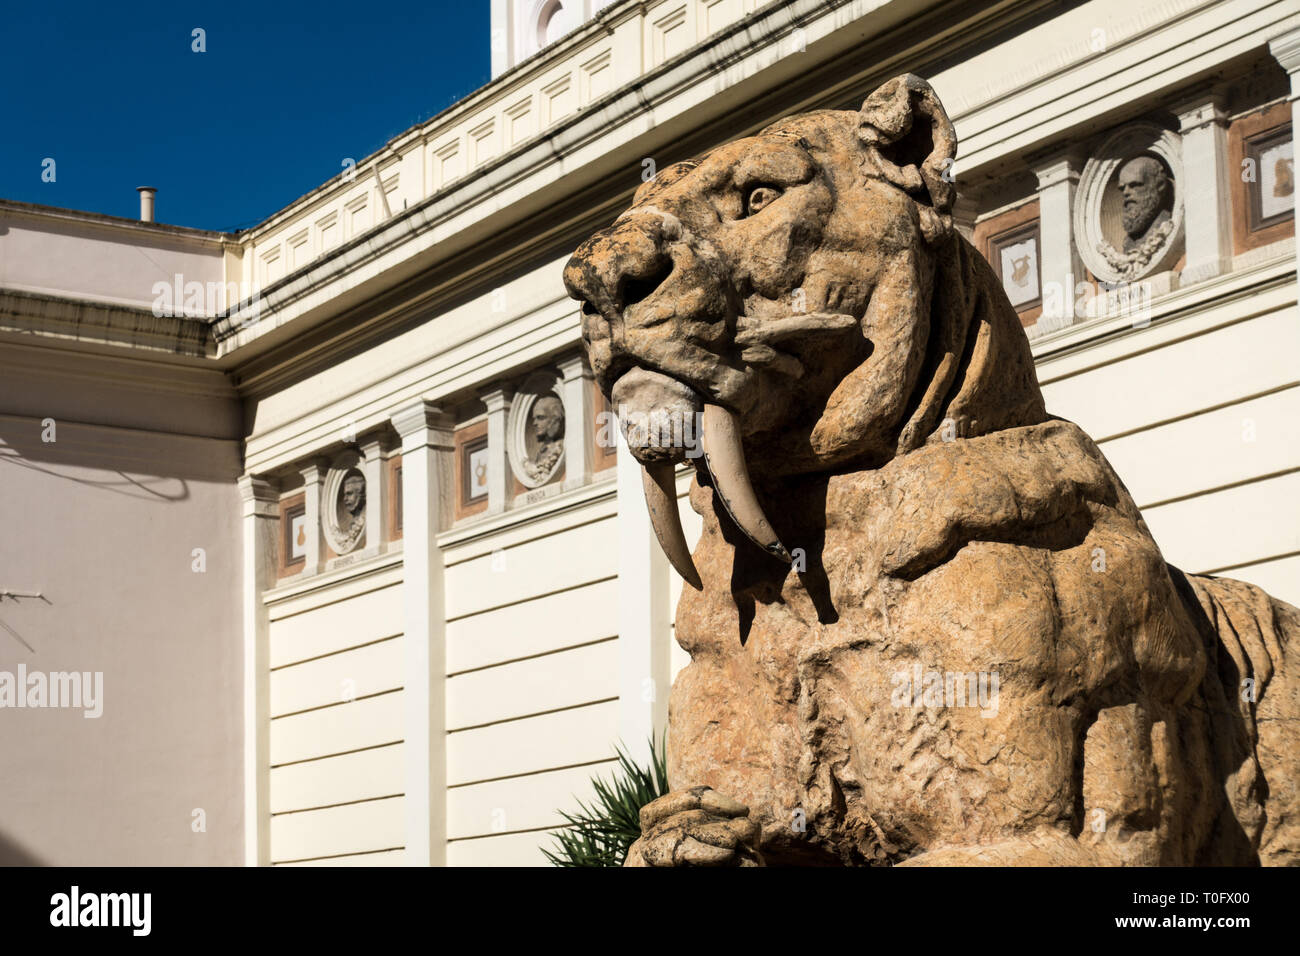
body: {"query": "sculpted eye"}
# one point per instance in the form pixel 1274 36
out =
pixel 760 197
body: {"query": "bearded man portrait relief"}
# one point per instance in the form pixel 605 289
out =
pixel 927 623
pixel 1147 193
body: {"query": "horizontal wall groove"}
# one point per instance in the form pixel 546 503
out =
pixel 534 597
pixel 488 836
pixel 534 773
pixel 341 650
pixel 537 537
pixel 331 806
pixel 540 713
pixel 533 657
pixel 1200 411
pixel 1253 479
pixel 340 753
pixel 1251 563
pixel 339 856
pixel 337 703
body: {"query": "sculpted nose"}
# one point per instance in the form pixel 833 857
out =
pixel 616 269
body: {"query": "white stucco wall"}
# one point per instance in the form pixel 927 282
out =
pixel 101 259
pixel 1199 413
pixel 104 522
pixel 532 687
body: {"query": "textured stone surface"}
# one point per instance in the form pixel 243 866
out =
pixel 979 655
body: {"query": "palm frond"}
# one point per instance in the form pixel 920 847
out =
pixel 600 834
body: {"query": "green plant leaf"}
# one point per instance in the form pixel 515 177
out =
pixel 600 834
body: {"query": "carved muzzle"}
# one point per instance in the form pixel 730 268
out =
pixel 663 419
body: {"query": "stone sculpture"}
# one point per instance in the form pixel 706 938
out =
pixel 352 510
pixel 1146 193
pixel 891 520
pixel 548 428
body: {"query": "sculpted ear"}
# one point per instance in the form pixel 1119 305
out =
pixel 911 143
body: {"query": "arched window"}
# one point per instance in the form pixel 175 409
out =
pixel 554 21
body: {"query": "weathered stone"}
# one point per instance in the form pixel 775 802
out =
pixel 931 626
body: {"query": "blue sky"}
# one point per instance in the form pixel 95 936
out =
pixel 115 95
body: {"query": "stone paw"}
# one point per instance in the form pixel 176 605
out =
pixel 696 827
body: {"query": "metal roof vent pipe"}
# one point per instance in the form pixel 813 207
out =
pixel 147 194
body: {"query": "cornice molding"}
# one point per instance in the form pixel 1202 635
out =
pixel 1180 306
pixel 1286 50
pixel 154 230
pixel 410 421
pixel 139 329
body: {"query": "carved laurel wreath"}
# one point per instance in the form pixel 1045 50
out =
pixel 1133 263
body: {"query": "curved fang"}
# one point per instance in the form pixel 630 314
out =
pixel 660 483
pixel 720 436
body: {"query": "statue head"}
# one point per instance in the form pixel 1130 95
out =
pixel 548 419
pixel 354 494
pixel 1145 188
pixel 803 295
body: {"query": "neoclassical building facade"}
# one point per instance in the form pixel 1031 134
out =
pixel 334 505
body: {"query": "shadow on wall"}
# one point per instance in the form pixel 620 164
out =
pixel 153 466
pixel 169 490
pixel 16 598
pixel 13 854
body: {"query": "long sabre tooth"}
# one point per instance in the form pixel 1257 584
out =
pixel 660 484
pixel 725 458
